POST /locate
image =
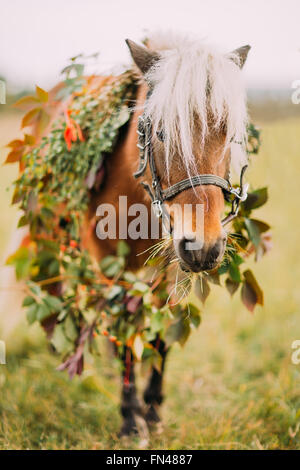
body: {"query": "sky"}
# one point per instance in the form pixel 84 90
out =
pixel 38 37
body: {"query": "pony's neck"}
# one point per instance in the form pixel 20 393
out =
pixel 120 167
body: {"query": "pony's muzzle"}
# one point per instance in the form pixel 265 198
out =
pixel 196 259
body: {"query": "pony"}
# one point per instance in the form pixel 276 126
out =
pixel 197 100
pixel 191 111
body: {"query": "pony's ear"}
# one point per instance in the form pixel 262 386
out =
pixel 144 58
pixel 241 53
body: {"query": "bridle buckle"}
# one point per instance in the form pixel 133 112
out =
pixel 244 192
pixel 157 208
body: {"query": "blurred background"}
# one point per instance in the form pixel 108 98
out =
pixel 234 385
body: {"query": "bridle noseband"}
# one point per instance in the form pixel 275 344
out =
pixel 159 196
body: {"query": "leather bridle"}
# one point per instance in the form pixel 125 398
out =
pixel 159 196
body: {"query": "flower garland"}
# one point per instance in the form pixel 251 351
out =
pixel 74 298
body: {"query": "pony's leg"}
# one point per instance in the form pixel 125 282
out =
pixel 133 421
pixel 153 396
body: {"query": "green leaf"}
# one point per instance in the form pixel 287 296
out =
pixel 113 269
pixel 70 329
pixel 59 340
pixel 213 277
pixel 116 309
pixel 251 281
pixel 53 303
pixel 195 321
pixel 254 142
pixel 223 268
pixel 109 265
pixel 47 213
pixel 77 68
pixel 255 199
pixel 35 288
pixel 156 321
pixel 193 313
pixel 28 301
pixel 22 267
pixel 53 268
pixel 17 196
pixel 23 221
pixel 130 277
pixel 255 228
pixel 31 313
pixel 123 249
pixel 139 288
pixel 178 331
pixel 107 261
pixel 231 286
pixel 237 259
pixel 234 272
pixel 43 312
pixel 264 247
pixel 122 117
pixel 114 292
pixel 248 296
pixel 202 288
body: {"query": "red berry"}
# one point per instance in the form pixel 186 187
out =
pixel 73 243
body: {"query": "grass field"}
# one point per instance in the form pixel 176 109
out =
pixel 232 387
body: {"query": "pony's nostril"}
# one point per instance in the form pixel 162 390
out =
pixel 214 252
pixel 186 254
pixel 201 259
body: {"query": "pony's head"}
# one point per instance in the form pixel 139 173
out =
pixel 197 108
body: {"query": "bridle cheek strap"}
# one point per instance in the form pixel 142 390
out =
pixel 159 196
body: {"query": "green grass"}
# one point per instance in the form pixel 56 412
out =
pixel 232 387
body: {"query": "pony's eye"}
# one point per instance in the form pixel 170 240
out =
pixel 160 135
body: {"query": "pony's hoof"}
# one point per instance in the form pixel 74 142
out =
pixel 152 416
pixel 143 444
pixel 142 428
pixel 158 428
pixel 135 427
pixel 153 420
pixel 129 428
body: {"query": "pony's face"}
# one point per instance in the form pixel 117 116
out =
pixel 199 239
pixel 196 108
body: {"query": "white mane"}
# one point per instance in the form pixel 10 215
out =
pixel 181 79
